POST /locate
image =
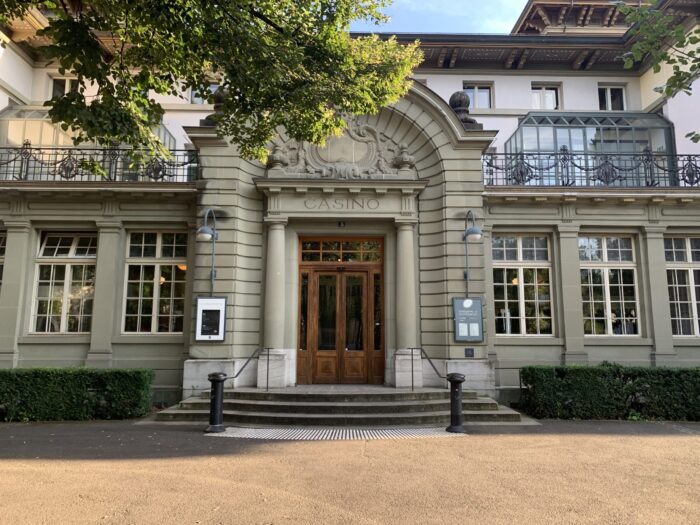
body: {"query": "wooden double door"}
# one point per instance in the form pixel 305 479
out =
pixel 341 332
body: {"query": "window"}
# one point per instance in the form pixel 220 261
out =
pixel 545 97
pixel 65 283
pixel 2 254
pixel 683 274
pixel 155 286
pixel 521 285
pixel 608 286
pixel 196 99
pixel 479 95
pixel 63 86
pixel 611 98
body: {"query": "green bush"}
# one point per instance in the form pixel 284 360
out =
pixel 611 392
pixel 55 394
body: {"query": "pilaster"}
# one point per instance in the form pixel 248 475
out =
pixel 571 323
pixel 13 289
pixel 658 307
pixel 110 254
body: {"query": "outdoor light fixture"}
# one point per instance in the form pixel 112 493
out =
pixel 208 233
pixel 471 233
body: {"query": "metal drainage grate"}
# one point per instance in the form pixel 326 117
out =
pixel 332 434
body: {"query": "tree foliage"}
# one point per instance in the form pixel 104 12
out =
pixel 288 63
pixel 659 39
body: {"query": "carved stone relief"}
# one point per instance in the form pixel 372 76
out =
pixel 362 152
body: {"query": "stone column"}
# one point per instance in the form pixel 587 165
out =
pixel 406 309
pixel 110 256
pixel 18 263
pixel 273 320
pixel 663 353
pixel 571 322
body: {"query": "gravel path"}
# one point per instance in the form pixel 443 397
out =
pixel 560 472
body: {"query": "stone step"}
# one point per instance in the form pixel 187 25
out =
pixel 340 397
pixel 302 419
pixel 345 407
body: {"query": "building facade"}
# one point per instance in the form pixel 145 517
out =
pixel 341 264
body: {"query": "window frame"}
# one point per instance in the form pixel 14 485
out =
pixel 157 261
pixel 520 264
pixel 690 266
pixel 542 89
pixel 608 96
pixel 466 85
pixel 606 266
pixel 196 100
pixel 70 84
pixel 68 260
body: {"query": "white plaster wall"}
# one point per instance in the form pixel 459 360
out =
pixel 512 99
pixel 512 91
pixel 15 75
pixel 176 118
pixel 684 111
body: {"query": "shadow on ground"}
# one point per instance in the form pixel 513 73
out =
pixel 145 440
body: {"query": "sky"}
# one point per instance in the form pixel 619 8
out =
pixel 448 16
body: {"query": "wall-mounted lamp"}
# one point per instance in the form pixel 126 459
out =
pixel 471 233
pixel 209 233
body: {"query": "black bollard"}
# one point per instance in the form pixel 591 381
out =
pixel 456 417
pixel 216 408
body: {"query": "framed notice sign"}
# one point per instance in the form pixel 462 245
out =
pixel 211 316
pixel 469 323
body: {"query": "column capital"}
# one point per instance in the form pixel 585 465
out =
pixel 276 223
pixel 402 224
pixel 17 225
pixel 568 230
pixel 108 226
pixel 654 230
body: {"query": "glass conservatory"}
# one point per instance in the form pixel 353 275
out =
pixel 593 133
pixel 591 149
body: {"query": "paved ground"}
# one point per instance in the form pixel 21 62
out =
pixel 559 472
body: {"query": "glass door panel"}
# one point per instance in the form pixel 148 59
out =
pixel 327 316
pixel 354 310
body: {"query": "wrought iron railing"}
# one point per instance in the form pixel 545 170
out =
pixel 607 170
pixel 60 164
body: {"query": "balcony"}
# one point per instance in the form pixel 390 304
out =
pixel 94 165
pixel 597 170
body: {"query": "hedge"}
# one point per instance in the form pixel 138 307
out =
pixel 55 394
pixel 611 391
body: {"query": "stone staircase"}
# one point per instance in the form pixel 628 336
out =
pixel 342 407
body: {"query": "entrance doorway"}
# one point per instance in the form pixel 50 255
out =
pixel 341 323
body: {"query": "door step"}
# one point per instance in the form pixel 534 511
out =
pixel 342 409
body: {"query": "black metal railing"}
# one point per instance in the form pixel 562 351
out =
pixel 607 170
pixel 61 164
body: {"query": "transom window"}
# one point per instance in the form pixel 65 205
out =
pixel 521 285
pixel 156 273
pixel 479 95
pixel 608 285
pixel 611 98
pixel 683 275
pixel 65 283
pixel 545 97
pixel 341 250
